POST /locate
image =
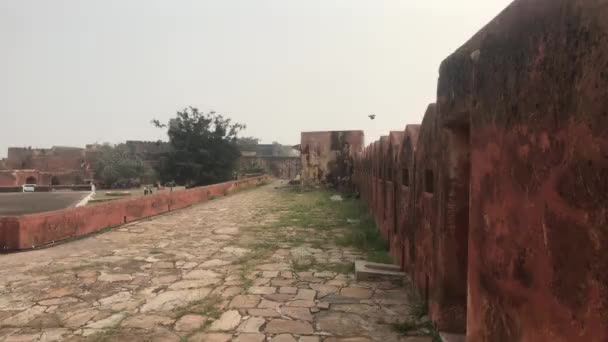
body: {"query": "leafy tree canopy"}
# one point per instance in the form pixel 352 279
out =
pixel 204 148
pixel 115 164
pixel 247 143
pixel 284 150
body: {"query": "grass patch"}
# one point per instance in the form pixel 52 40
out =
pixel 258 251
pixel 418 323
pixel 420 329
pixel 314 209
pixel 418 308
pixel 262 183
pixel 344 268
pixel 303 264
pixel 107 334
pixel 205 307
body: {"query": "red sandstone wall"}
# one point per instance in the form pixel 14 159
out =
pixel 426 211
pixel 404 196
pixel 7 178
pixel 376 199
pixel 537 96
pixel 392 191
pixel 511 242
pixel 279 167
pixel 30 231
pixel 327 157
pixel 48 160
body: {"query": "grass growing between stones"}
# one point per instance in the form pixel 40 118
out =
pixel 418 323
pixel 315 209
pixel 207 307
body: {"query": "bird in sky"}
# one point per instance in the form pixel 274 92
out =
pixel 372 116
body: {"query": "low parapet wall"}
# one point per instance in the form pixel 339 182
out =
pixel 36 230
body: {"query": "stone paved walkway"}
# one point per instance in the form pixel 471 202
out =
pixel 212 272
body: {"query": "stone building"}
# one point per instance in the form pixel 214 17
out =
pixel 54 166
pixel 327 157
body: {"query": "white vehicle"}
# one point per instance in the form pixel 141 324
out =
pixel 29 187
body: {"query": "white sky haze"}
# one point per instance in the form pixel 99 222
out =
pixel 74 72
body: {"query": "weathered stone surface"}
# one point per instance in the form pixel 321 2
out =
pixel 281 326
pixel 210 337
pixel 324 290
pixel 167 279
pixel 54 334
pixel 109 322
pixel 157 304
pixel 270 274
pixel 146 321
pixel 306 294
pixel 333 299
pixel 116 298
pixel 347 339
pixel 114 277
pixel 337 282
pixel 58 301
pixel 279 297
pixel 263 312
pixel 325 274
pixel 201 274
pixel 231 291
pixel 302 314
pixel 22 337
pixel 192 284
pixel 323 305
pixel 226 231
pixel 245 301
pixel 24 317
pixel 163 265
pixel 227 321
pixel 282 282
pixel 251 325
pixel 268 304
pixel 361 309
pixel 79 318
pixel 190 322
pixel 174 299
pixel 261 290
pixel 283 338
pixel 342 324
pixel 273 267
pixel 309 339
pixel 288 290
pixel 302 303
pixel 356 292
pixel 214 263
pixel 250 338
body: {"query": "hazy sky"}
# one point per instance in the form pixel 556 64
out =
pixel 81 71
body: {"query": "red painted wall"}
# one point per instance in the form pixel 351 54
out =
pixel 31 231
pixel 511 243
pixel 404 197
pixel 392 173
pixel 537 99
pixel 327 157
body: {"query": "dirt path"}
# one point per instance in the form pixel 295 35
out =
pixel 223 270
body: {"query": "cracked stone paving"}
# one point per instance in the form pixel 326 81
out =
pixel 211 272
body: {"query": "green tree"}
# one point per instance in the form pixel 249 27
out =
pixel 247 143
pixel 284 150
pixel 204 148
pixel 115 164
